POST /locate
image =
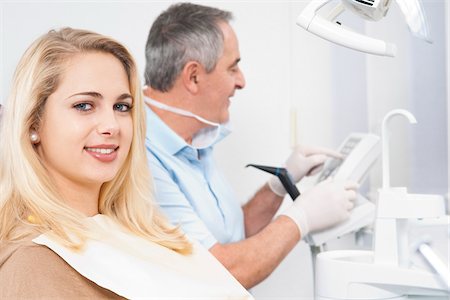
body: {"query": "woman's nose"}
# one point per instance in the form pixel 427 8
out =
pixel 108 124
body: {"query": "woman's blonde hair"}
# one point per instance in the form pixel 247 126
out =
pixel 26 188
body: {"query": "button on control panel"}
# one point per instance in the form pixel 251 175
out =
pixel 332 166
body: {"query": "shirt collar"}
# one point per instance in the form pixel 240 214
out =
pixel 161 135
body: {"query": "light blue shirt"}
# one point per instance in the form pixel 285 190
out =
pixel 190 189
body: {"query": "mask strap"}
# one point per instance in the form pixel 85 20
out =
pixel 179 111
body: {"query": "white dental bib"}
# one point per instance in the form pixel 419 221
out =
pixel 134 268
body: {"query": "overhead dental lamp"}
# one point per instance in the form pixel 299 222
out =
pixel 372 10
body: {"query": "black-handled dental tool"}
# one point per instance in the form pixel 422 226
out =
pixel 284 177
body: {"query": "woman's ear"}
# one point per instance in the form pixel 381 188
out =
pixel 190 76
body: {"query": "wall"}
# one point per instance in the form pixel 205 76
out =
pixel 415 80
pixel 447 26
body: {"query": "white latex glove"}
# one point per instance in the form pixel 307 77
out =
pixel 323 206
pixel 303 161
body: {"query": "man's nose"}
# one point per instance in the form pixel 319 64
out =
pixel 240 80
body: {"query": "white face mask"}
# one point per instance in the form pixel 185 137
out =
pixel 205 137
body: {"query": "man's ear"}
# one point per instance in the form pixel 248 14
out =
pixel 190 76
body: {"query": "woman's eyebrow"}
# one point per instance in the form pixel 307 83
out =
pixel 98 95
pixel 124 96
pixel 92 94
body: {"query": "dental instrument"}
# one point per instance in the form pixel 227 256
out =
pixel 284 177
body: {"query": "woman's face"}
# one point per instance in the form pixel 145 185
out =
pixel 86 128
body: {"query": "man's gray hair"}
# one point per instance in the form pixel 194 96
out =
pixel 184 32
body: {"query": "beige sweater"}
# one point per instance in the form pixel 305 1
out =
pixel 31 271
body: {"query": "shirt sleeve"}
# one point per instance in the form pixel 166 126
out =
pixel 36 272
pixel 176 206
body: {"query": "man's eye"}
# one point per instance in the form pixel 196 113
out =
pixel 83 106
pixel 234 69
pixel 122 107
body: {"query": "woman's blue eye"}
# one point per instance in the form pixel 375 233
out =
pixel 122 107
pixel 83 106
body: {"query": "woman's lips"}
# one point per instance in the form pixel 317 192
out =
pixel 103 153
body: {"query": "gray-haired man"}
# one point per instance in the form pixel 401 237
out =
pixel 192 71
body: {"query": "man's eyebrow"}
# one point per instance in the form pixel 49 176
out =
pixel 236 62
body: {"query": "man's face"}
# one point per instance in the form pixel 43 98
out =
pixel 219 85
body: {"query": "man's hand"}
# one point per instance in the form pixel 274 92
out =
pixel 303 161
pixel 323 206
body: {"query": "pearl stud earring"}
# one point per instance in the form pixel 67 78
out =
pixel 34 137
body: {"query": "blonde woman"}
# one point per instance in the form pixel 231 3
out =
pixel 76 212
